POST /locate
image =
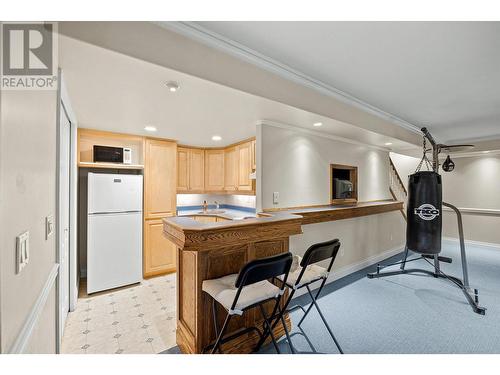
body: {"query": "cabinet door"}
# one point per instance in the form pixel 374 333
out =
pixel 159 252
pixel 160 172
pixel 214 170
pixel 230 169
pixel 182 169
pixel 196 170
pixel 244 166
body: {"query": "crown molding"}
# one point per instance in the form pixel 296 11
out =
pixel 318 134
pixel 208 37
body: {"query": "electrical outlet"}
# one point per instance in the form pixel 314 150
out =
pixel 49 226
pixel 276 197
pixel 22 251
pixel 342 252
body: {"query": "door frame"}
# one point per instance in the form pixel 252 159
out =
pixel 64 104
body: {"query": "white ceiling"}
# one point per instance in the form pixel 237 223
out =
pixel 115 92
pixel 443 75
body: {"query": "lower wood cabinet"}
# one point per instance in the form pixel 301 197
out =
pixel 159 253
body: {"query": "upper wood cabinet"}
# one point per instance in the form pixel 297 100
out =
pixel 160 170
pixel 182 169
pixel 245 162
pixel 190 170
pixel 197 169
pixel 230 169
pixel 214 170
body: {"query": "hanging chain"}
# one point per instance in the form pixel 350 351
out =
pixel 428 164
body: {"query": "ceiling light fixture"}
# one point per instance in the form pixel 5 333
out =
pixel 216 138
pixel 173 86
pixel 150 128
pixel 388 143
pixel 318 124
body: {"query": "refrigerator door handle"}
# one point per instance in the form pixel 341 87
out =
pixel 114 213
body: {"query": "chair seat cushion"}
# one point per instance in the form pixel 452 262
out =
pixel 223 291
pixel 313 272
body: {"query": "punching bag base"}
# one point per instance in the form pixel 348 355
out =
pixel 472 295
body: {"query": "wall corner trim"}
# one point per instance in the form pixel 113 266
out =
pixel 26 331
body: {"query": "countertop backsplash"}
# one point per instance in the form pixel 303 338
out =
pixel 192 202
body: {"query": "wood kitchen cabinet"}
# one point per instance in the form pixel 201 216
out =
pixel 245 161
pixel 159 253
pixel 190 170
pixel 214 170
pixel 230 169
pixel 182 169
pixel 196 170
pixel 160 169
pixel 159 178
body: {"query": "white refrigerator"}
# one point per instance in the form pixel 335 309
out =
pixel 114 231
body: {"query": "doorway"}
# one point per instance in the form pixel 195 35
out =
pixel 67 281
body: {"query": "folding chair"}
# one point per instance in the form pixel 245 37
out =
pixel 249 288
pixel 306 273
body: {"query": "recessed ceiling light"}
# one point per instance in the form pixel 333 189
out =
pixel 388 143
pixel 216 138
pixel 173 86
pixel 150 128
pixel 318 124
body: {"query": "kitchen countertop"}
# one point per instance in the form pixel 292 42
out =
pixel 228 213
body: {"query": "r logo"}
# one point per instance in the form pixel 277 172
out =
pixel 27 49
pixel 426 212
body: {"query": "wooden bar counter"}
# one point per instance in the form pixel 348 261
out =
pixel 212 250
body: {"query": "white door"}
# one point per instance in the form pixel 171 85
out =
pixel 109 193
pixel 64 213
pixel 114 250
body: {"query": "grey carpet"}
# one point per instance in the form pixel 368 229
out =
pixel 405 313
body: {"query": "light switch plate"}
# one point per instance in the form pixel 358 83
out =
pixel 49 226
pixel 276 197
pixel 22 250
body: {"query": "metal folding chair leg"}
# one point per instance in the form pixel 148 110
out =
pixel 311 305
pixel 219 338
pixel 324 320
pixel 268 325
pixel 288 337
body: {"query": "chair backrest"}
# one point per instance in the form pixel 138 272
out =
pixel 321 251
pixel 263 269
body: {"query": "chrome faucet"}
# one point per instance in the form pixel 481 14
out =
pixel 216 205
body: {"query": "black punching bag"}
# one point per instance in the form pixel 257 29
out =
pixel 423 230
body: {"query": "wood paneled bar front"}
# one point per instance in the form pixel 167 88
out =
pixel 211 250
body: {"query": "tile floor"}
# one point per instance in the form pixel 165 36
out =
pixel 134 320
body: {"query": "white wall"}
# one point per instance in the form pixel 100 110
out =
pixel 28 195
pixel 296 164
pixel 474 183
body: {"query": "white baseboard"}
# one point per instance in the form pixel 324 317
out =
pixel 354 267
pixel 488 245
pixel 24 336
